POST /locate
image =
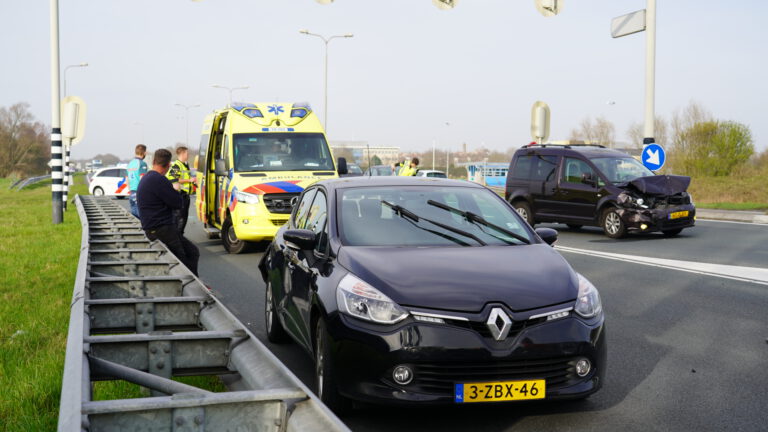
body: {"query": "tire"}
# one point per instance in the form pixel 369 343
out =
pixel 275 331
pixel 326 383
pixel 524 210
pixel 98 191
pixel 672 232
pixel 232 244
pixel 612 224
pixel 574 226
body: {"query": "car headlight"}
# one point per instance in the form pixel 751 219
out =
pixel 246 198
pixel 588 301
pixel 363 301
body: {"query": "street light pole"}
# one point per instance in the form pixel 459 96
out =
pixel 56 165
pixel 325 97
pixel 65 74
pixel 230 89
pixel 650 71
pixel 186 117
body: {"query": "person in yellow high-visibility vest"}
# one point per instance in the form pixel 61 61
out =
pixel 179 173
pixel 408 168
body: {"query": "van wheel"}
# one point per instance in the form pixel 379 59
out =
pixel 232 244
pixel 672 232
pixel 612 224
pixel 524 210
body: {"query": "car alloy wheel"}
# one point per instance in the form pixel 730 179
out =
pixel 275 330
pixel 612 224
pixel 97 191
pixel 320 362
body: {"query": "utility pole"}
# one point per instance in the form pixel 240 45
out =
pixel 650 72
pixel 56 148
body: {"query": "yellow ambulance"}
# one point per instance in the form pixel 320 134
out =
pixel 253 161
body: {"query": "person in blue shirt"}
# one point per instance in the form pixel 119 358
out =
pixel 136 169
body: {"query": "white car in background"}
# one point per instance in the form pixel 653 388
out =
pixel 430 173
pixel 110 181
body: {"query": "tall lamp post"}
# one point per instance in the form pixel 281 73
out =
pixel 65 74
pixel 327 40
pixel 186 117
pixel 230 90
pixel 56 165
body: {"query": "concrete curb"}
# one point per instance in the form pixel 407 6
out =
pixel 732 215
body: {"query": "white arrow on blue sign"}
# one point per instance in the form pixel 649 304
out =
pixel 653 157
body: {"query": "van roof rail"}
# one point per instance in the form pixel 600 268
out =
pixel 564 145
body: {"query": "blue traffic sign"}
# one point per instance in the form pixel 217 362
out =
pixel 653 156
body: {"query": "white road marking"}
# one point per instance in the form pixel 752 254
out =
pixel 756 275
pixel 701 219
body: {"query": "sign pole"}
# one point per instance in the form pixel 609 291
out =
pixel 56 148
pixel 67 175
pixel 650 71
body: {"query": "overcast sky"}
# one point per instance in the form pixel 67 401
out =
pixel 409 69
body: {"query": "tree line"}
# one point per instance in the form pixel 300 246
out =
pixel 25 146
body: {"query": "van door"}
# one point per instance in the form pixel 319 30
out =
pixel 543 184
pixel 203 178
pixel 218 182
pixel 576 199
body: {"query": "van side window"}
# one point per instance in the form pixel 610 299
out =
pixel 543 168
pixel 522 167
pixel 573 169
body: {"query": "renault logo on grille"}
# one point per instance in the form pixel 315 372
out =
pixel 499 324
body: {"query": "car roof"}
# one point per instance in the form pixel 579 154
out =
pixel 429 171
pixel 587 151
pixel 394 181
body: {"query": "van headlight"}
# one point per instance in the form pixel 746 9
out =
pixel 247 198
pixel 359 299
pixel 588 301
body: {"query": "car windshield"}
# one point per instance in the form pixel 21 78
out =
pixel 384 217
pixel 621 169
pixel 281 152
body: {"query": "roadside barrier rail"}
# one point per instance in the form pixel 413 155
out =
pixel 139 315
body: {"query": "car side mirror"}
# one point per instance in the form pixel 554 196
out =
pixel 221 168
pixel 341 164
pixel 300 239
pixel 549 235
pixel 587 178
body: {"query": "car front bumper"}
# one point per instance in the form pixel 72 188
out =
pixel 442 355
pixel 650 220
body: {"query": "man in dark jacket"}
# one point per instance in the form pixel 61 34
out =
pixel 157 199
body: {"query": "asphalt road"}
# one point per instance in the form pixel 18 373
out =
pixel 686 351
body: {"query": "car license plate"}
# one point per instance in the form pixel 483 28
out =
pixel 500 391
pixel 678 215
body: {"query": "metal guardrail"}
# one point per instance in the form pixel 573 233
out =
pixel 139 315
pixel 21 184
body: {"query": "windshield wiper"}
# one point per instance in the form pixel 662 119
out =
pixel 405 213
pixel 477 219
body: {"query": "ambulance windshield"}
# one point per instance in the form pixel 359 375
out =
pixel 281 152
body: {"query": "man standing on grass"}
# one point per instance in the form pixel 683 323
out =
pixel 179 173
pixel 157 199
pixel 136 169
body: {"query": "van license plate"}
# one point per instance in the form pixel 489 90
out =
pixel 678 215
pixel 500 391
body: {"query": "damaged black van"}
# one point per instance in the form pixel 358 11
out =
pixel 581 185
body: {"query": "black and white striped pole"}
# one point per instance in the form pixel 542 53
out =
pixel 56 148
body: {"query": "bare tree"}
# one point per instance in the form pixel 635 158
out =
pixel 636 133
pixel 22 141
pixel 600 132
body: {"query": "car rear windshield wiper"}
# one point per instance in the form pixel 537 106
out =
pixel 475 218
pixel 405 213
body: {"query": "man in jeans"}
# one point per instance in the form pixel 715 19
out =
pixel 136 169
pixel 179 173
pixel 157 199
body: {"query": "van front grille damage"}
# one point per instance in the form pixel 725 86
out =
pixel 279 203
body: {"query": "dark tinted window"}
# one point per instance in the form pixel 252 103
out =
pixel 123 172
pixel 110 173
pixel 522 167
pixel 543 167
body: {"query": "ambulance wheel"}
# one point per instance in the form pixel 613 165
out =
pixel 97 191
pixel 232 244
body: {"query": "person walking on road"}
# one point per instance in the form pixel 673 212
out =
pixel 157 199
pixel 136 169
pixel 179 173
pixel 409 168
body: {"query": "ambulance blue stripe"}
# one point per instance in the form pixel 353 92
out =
pixel 286 186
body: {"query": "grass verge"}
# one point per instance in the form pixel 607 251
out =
pixel 38 272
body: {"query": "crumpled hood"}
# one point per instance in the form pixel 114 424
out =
pixel 465 278
pixel 659 184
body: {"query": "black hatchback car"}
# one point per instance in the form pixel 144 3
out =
pixel 591 185
pixel 430 291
